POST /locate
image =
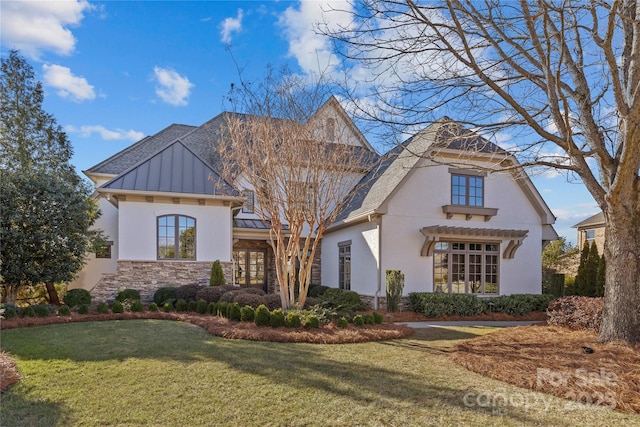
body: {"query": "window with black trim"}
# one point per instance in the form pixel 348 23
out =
pixel 176 237
pixel 466 267
pixel 104 250
pixel 344 265
pixel 467 190
pixel 249 201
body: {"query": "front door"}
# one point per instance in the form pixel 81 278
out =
pixel 250 266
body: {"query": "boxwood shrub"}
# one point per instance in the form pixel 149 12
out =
pixel 41 310
pixel 358 320
pixel 311 321
pixel 192 306
pixel 10 312
pixel 167 307
pixel 164 294
pixel 277 318
pixel 343 322
pixel 292 320
pixel 234 312
pixel 181 305
pixel 188 292
pixel 103 308
pixel 212 308
pixel 342 300
pixel 247 314
pixel 437 304
pixel 64 310
pixel 153 307
pixel 117 307
pixel 28 312
pixel 262 316
pixel 136 306
pixel 378 318
pixel 201 306
pixel 76 297
pixel 223 309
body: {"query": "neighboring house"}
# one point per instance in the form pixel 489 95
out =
pixel 465 229
pixel 591 230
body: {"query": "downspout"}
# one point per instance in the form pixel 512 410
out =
pixel 378 221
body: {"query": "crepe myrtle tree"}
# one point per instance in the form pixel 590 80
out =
pixel 560 78
pixel 276 145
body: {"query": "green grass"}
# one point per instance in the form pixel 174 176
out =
pixel 164 373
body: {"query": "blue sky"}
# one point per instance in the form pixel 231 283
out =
pixel 116 71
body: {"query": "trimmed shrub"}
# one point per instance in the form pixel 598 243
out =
pixel 378 318
pixel 342 301
pixel 201 306
pixel 181 305
pixel 235 313
pixel 212 308
pixel 167 307
pixel 247 314
pixel 252 300
pixel 262 316
pixel 136 306
pixel 311 321
pixel 11 312
pixel 83 309
pixel 228 296
pixel 368 319
pixel 395 285
pixel 212 293
pixel 272 301
pixel 164 294
pixel 292 320
pixel 254 291
pixel 76 297
pixel 41 310
pixel 62 311
pixel 103 308
pixel 192 306
pixel 217 275
pixel 437 304
pixel 277 318
pixel 188 292
pixel 117 307
pixel 316 290
pixel 342 322
pixel 576 312
pixel 223 309
pixel 28 312
pixel 517 304
pixel 128 295
pixel 358 320
pixel 153 307
pixel 312 302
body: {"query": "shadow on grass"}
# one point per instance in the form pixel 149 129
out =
pixel 352 371
pixel 17 411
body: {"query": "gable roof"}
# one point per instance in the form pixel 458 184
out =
pixel 393 169
pixel 174 169
pixel 139 151
pixel 592 221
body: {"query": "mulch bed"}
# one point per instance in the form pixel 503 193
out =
pixel 570 364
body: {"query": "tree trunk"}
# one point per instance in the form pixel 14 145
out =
pixel 621 316
pixel 53 295
pixel 9 294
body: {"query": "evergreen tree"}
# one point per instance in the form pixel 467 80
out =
pixel 579 285
pixel 591 271
pixel 46 209
pixel 217 275
pixel 601 277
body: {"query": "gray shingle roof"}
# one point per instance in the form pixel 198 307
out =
pixel 394 166
pixel 597 219
pixel 139 151
pixel 175 169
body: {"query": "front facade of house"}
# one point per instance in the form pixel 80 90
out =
pixel 168 215
pixel 591 230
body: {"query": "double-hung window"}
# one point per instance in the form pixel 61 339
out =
pixel 176 237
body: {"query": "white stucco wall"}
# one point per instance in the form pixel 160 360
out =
pixel 137 230
pixel 364 257
pixel 95 267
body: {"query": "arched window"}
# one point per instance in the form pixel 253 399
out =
pixel 176 237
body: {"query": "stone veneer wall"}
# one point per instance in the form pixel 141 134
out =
pixel 148 276
pixel 368 300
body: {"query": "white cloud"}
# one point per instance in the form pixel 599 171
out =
pixel 173 88
pixel 313 51
pixel 106 134
pixel 36 26
pixel 67 85
pixel 230 26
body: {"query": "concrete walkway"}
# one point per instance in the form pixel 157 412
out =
pixel 468 323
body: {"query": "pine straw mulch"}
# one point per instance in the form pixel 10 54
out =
pixel 554 360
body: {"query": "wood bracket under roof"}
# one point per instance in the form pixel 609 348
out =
pixel 437 233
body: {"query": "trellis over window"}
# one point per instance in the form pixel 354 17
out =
pixel 436 233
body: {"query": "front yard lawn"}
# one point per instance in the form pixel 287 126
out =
pixel 165 373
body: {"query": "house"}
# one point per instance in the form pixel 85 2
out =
pixel 591 230
pixel 470 228
pixel 447 210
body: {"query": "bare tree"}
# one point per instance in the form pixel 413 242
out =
pixel 301 163
pixel 563 74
